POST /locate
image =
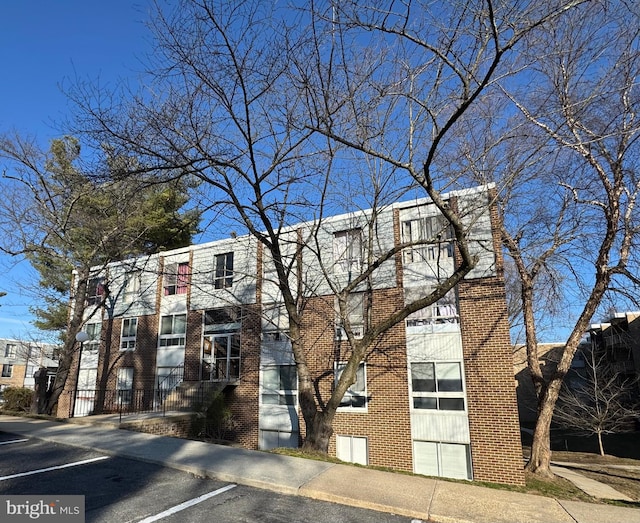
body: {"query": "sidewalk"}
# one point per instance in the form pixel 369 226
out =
pixel 411 496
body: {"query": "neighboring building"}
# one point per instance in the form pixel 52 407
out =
pixel 549 356
pixel 20 359
pixel 619 339
pixel 435 396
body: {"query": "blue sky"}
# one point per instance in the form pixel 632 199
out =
pixel 44 45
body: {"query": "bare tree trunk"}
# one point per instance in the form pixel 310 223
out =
pixel 540 459
pixel 600 445
pixel 69 349
pixel 319 433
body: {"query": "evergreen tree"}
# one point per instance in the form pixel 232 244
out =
pixel 63 218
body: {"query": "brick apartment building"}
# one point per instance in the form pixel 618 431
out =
pixel 435 394
pixel 20 359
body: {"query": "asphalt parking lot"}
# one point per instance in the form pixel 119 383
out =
pixel 125 490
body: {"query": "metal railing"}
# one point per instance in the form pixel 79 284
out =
pixel 89 402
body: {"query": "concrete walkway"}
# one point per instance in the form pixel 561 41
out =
pixel 593 488
pixel 412 496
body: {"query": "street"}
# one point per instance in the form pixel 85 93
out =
pixel 119 490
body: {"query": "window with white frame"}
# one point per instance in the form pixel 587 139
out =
pixel 223 278
pixel 7 370
pixel 10 350
pixel 347 251
pixel 129 332
pixel 449 460
pixel 279 385
pixel 356 396
pixel 176 278
pixel 437 386
pixel 124 385
pixel 221 338
pixel 432 236
pixel 131 286
pixel 173 330
pixel 353 449
pixel 31 370
pixel 95 290
pixel 353 315
pixel 93 330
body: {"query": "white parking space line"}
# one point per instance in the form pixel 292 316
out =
pixel 13 441
pixel 187 504
pixel 58 467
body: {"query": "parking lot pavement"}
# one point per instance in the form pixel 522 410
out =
pixel 119 489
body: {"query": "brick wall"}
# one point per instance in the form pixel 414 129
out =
pixel 496 450
pixel 243 398
pixel 386 423
pixel 175 426
pixel 17 375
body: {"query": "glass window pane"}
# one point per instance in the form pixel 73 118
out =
pixel 271 378
pixel 449 377
pixel 423 377
pixel 270 399
pixel 451 404
pixel 180 324
pixel 235 346
pixel 360 385
pixel 166 325
pixel 288 377
pixel 425 403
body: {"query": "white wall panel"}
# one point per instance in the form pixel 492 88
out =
pixel 433 347
pixel 440 426
pixel 170 357
pixel 278 417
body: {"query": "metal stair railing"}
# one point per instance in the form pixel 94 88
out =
pixel 169 383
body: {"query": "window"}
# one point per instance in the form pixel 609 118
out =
pixel 437 386
pixel 221 344
pixel 279 385
pixel 352 449
pixel 93 330
pixel 347 250
pixel 128 338
pixel 95 291
pixel 176 278
pixel 125 385
pixel 10 350
pixel 224 271
pixel 173 330
pixel 31 370
pixel 131 286
pixel 356 395
pixel 435 232
pixel 7 370
pixel 222 356
pixel 449 460
pixel 273 439
pixel 355 315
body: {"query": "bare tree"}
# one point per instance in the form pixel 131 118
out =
pixel 276 111
pixel 585 103
pixel 599 401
